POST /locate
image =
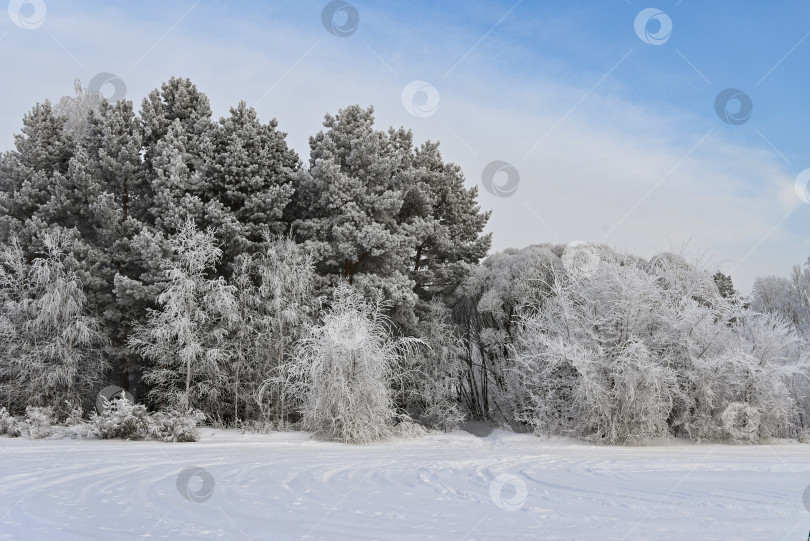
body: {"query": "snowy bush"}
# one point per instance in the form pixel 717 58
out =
pixel 635 352
pixel 8 424
pixel 734 385
pixel 583 367
pixel 343 370
pixel 121 418
pixel 569 389
pixel 408 428
pixel 38 422
pixel 175 426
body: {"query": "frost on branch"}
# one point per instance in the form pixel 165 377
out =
pixel 637 352
pixel 121 418
pixel 429 388
pixel 50 348
pixel 343 369
pixel 185 338
pixel 275 300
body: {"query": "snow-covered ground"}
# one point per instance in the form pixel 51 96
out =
pixel 444 487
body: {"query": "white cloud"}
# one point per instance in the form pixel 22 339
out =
pixel 594 165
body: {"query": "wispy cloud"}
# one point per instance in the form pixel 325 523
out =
pixel 597 149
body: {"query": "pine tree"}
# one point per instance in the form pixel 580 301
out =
pixel 724 285
pixel 446 221
pixel 384 216
pixel 177 146
pixel 251 174
pixel 177 100
pixel 236 175
pixel 114 144
pixel 178 179
pixel 44 145
pixel 43 149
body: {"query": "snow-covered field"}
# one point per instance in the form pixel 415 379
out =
pixel 444 487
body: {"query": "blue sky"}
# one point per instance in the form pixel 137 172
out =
pixel 615 140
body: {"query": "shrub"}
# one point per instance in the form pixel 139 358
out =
pixel 8 424
pixel 343 369
pixel 632 353
pixel 38 422
pixel 121 418
pixel 175 426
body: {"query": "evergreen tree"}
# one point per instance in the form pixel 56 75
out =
pixel 251 174
pixel 384 216
pixel 43 149
pixel 177 129
pixel 446 221
pixel 114 144
pixel 177 100
pixel 178 178
pixel 44 145
pixel 724 285
pixel 236 175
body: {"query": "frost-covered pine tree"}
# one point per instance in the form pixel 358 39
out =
pixel 236 175
pixel 126 275
pixel 79 167
pixel 177 148
pixel 445 221
pixel 178 178
pixel 343 369
pixel 185 338
pixel 51 351
pixel 724 284
pixel 384 216
pixel 177 100
pixel 43 149
pixel 252 174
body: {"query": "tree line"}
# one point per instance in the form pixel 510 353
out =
pixel 200 264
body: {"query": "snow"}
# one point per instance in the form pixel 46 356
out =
pixel 441 486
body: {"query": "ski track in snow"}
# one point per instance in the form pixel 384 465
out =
pixel 291 486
